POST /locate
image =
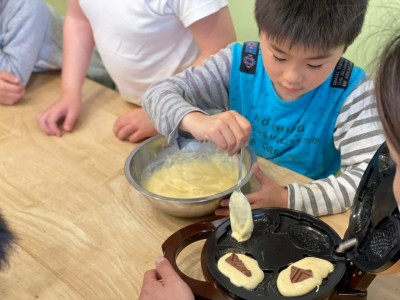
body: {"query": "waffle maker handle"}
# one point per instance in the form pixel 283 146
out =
pixel 179 241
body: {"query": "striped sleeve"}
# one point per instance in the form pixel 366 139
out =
pixel 204 88
pixel 358 134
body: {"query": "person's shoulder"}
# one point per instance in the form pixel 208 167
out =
pixel 361 90
pixel 186 6
pixel 248 46
pixel 190 11
pixel 31 5
pixel 346 75
pixel 194 3
pixel 35 8
pixel 25 11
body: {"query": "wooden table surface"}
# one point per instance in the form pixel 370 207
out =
pixel 82 231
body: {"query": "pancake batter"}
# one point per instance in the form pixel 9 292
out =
pixel 240 216
pixel 245 274
pixel 293 283
pixel 192 175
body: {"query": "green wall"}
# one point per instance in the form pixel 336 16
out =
pixel 381 21
pixel 59 5
pixel 242 12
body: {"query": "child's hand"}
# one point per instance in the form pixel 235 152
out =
pixel 134 126
pixel 11 89
pixel 228 130
pixel 64 112
pixel 164 283
pixel 270 194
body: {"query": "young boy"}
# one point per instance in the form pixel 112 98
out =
pixel 31 41
pixel 164 283
pixel 306 107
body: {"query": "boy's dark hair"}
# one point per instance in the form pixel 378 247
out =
pixel 6 239
pixel 314 24
pixel 387 87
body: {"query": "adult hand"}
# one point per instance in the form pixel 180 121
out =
pixel 228 130
pixel 134 126
pixel 270 194
pixel 164 283
pixel 11 89
pixel 62 114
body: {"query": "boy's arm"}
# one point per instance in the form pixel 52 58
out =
pixel 209 22
pixel 358 134
pixel 78 47
pixel 213 33
pixel 22 38
pixel 201 89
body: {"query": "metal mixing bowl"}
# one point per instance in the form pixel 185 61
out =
pixel 154 149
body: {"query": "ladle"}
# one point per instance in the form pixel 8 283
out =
pixel 240 158
pixel 240 210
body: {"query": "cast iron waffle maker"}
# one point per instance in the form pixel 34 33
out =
pixel 281 236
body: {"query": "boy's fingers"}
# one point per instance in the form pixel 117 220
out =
pixel 218 139
pixel 222 211
pixel 69 121
pixel 41 118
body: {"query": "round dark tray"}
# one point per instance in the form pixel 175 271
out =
pixel 280 237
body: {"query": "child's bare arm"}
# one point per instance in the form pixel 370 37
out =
pixel 78 48
pixel 213 33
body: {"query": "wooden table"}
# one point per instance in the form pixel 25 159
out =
pixel 83 232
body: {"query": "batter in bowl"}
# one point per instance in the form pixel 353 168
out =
pixel 192 175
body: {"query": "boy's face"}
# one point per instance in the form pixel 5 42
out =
pixel 396 182
pixel 295 71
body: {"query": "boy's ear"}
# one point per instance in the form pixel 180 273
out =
pixel 6 240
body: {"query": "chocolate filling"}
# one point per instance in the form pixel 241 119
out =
pixel 235 261
pixel 298 275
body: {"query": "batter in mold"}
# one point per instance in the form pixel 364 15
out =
pixel 303 276
pixel 242 270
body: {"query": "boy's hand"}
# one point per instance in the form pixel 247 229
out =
pixel 11 89
pixel 64 112
pixel 228 130
pixel 164 283
pixel 270 194
pixel 134 126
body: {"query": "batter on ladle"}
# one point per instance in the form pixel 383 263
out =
pixel 241 217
